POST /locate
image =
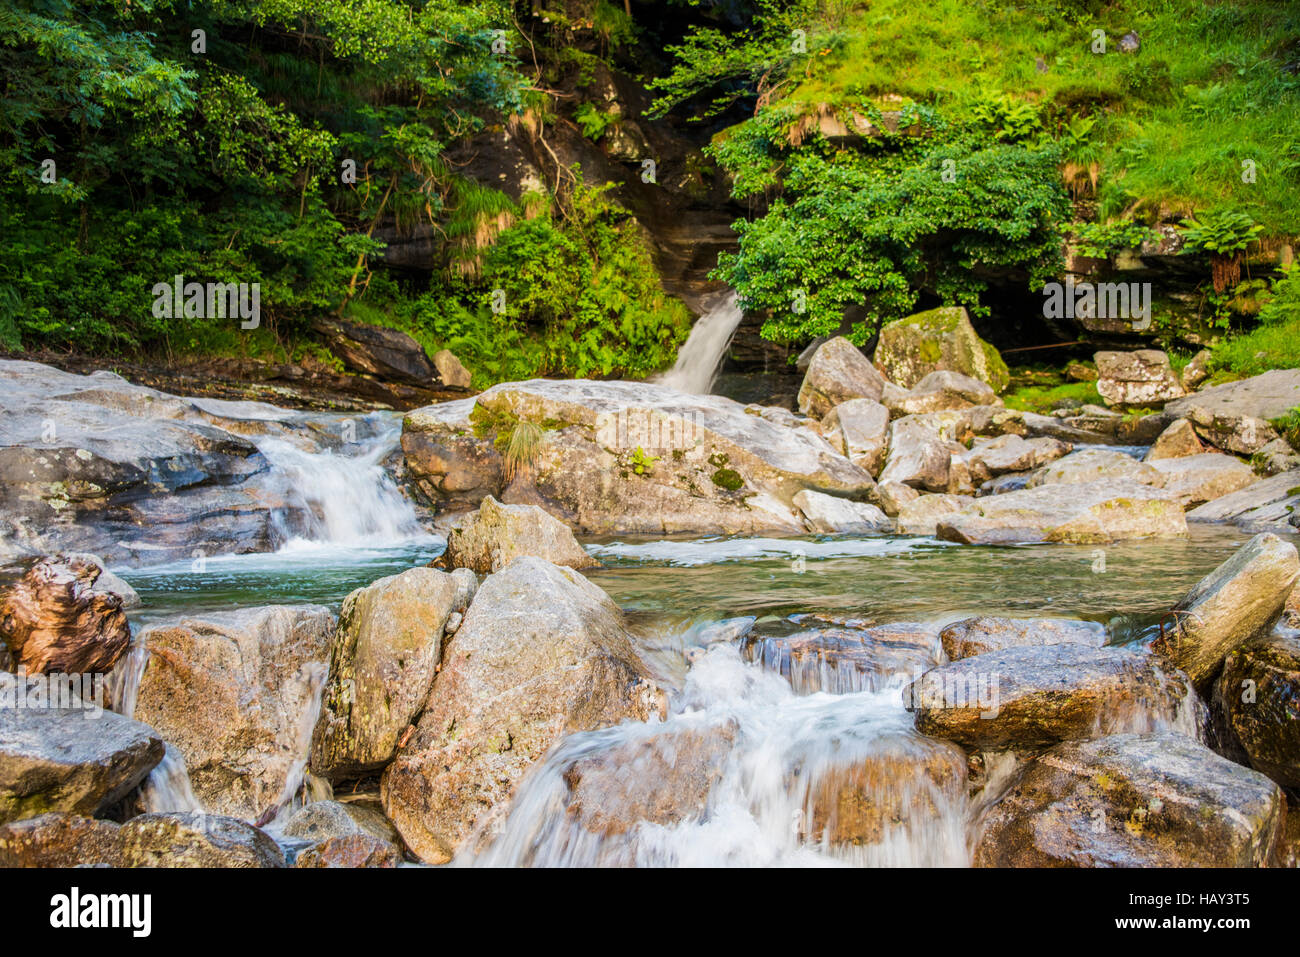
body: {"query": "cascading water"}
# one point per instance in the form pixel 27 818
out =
pixel 701 355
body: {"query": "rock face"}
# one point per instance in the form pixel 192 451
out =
pixel 1234 417
pixel 827 514
pixel 496 534
pixel 383 658
pixel 378 351
pixel 1177 440
pixel 838 372
pixel 150 840
pixel 55 620
pixel 74 759
pixel 1025 697
pixel 858 428
pixel 234 692
pixel 1141 378
pixel 541 653
pixel 978 636
pixel 1267 504
pixel 1258 694
pixel 1092 465
pixel 1197 479
pixel 628 458
pixel 1089 513
pixel 1133 800
pixel 1242 598
pixel 451 370
pixel 910 349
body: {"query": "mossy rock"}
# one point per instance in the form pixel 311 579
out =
pixel 943 338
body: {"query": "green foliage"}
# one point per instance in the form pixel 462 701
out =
pixel 592 121
pixel 1100 240
pixel 1222 232
pixel 643 464
pixel 1274 343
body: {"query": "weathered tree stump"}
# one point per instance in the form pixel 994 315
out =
pixel 55 621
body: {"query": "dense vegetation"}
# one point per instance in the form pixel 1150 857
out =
pixel 891 154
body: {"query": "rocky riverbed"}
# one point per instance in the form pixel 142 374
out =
pixel 597 623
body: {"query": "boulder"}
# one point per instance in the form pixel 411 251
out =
pixel 829 514
pixel 322 820
pixel 838 372
pixel 350 850
pixel 893 496
pixel 383 657
pixel 1196 371
pixel 1090 513
pixel 1141 378
pixel 840 656
pixel 79 759
pixel 495 535
pixel 55 620
pixel 58 839
pixel 1267 504
pixel 378 351
pixel 1257 694
pixel 447 463
pixel 1133 800
pixel 1242 598
pixel 1031 696
pixel 541 653
pixel 451 371
pixel 940 391
pixel 988 458
pixel 922 515
pixel 630 458
pixel 858 428
pixel 1197 479
pixel 941 339
pixel 1275 458
pixel 236 693
pixel 920 456
pixel 978 636
pixel 1178 440
pixel 1093 465
pixel 1235 417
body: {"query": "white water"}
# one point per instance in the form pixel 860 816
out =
pixel 701 355
pixel 340 498
pixel 712 551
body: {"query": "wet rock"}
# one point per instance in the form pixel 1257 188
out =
pixel 1235 417
pixel 1178 440
pixel 58 839
pixel 322 820
pixel 842 657
pixel 1133 800
pixel 235 693
pixel 55 620
pixel 1259 695
pixel 1141 378
pixel 351 850
pixel 1088 513
pixel 195 839
pixel 922 515
pixel 978 636
pixel 378 351
pixel 492 537
pixel 541 653
pixel 1267 504
pixel 1092 465
pixel 838 372
pixel 910 349
pixel 661 776
pixel 1197 479
pixel 1011 453
pixel 1026 697
pixel 1242 598
pixel 859 428
pixel 79 759
pixel 704 466
pixel 383 658
pixel 828 514
pixel 451 370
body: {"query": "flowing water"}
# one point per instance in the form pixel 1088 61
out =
pixel 701 355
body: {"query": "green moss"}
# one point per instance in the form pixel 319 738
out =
pixel 729 479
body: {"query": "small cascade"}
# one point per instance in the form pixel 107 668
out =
pixel 168 786
pixel 337 497
pixel 289 799
pixel 701 355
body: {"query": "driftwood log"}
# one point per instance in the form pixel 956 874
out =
pixel 54 620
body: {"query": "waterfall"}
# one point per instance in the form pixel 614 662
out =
pixel 337 498
pixel 701 355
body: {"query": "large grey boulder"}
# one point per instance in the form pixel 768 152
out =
pixel 920 456
pixel 977 636
pixel 541 653
pixel 1235 417
pixel 235 693
pixel 1269 504
pixel 988 458
pixel 828 514
pixel 1242 598
pixel 495 535
pixel 859 429
pixel 1133 800
pixel 910 349
pixel 1093 465
pixel 1177 440
pixel 939 391
pixel 1141 378
pixel 838 372
pixel 1197 479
